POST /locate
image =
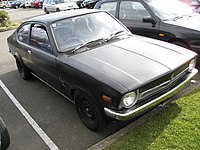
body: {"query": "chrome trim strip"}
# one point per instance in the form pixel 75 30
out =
pixel 130 113
pixel 178 75
pixel 154 88
pixel 53 88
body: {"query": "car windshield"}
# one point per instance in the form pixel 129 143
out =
pixel 72 33
pixel 170 9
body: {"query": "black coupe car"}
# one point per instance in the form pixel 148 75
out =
pixel 166 20
pixel 92 59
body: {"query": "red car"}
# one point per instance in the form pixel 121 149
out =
pixel 38 3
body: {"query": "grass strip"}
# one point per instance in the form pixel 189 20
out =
pixel 176 127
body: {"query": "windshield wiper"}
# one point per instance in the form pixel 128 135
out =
pixel 99 41
pixel 114 34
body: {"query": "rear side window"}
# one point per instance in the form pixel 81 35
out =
pixel 23 33
pixel 109 7
pixel 39 38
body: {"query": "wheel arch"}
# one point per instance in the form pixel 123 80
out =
pixel 73 90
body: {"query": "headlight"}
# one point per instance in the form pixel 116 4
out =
pixel 129 100
pixel 192 64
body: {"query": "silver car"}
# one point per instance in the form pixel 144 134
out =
pixel 58 5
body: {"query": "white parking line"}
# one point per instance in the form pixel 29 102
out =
pixel 35 126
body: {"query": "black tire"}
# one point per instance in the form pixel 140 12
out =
pixel 57 9
pixel 181 44
pixel 46 11
pixel 23 70
pixel 89 112
pixel 5 138
pixel 4 7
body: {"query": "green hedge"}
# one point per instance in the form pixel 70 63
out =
pixel 4 19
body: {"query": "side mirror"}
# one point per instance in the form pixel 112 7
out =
pixel 149 19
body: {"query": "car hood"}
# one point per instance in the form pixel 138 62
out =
pixel 134 61
pixel 191 22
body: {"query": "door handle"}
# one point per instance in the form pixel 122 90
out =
pixel 29 52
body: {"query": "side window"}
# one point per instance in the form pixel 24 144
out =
pixel 132 11
pixel 39 38
pixel 23 33
pixel 49 1
pixel 109 6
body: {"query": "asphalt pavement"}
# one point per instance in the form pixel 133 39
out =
pixel 19 15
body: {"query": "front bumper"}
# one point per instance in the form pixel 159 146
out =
pixel 131 113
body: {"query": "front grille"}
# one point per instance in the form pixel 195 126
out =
pixel 171 80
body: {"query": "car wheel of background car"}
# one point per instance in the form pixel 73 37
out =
pixel 4 7
pixel 23 70
pixel 89 111
pixel 46 11
pixel 5 138
pixel 16 7
pixel 57 9
pixel 181 44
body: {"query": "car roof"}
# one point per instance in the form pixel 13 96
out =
pixel 50 18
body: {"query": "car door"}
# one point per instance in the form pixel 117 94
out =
pixel 131 14
pixel 49 5
pixel 40 55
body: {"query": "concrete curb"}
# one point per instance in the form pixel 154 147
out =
pixel 146 117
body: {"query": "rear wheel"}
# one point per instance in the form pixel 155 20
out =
pixel 5 138
pixel 4 7
pixel 23 70
pixel 46 11
pixel 89 112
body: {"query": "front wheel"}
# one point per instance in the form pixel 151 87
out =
pixel 23 70
pixel 5 138
pixel 46 11
pixel 57 10
pixel 89 112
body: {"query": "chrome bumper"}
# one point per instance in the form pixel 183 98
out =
pixel 130 113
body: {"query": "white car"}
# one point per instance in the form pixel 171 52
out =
pixel 28 3
pixel 58 5
pixel 5 4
